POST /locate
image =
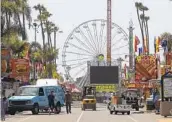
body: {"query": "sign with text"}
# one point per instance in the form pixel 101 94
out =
pixel 146 68
pixel 106 87
pixel 20 69
pixel 167 87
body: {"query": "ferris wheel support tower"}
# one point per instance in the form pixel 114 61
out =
pixel 109 28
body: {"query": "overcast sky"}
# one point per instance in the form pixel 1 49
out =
pixel 68 14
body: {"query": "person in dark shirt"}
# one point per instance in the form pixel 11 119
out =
pixel 51 100
pixel 68 100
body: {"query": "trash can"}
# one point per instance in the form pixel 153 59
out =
pixel 149 105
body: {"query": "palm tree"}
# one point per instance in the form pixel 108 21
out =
pixel 167 36
pixel 11 11
pixel 50 56
pixel 35 53
pixel 40 9
pixel 138 7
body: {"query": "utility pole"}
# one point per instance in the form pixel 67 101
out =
pixel 109 28
pixel 131 52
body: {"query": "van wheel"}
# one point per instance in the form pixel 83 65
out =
pixel 128 112
pixel 35 109
pixel 12 112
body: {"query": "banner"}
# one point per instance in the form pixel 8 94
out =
pixel 20 69
pixel 169 59
pixel 5 57
pixel 146 68
pixel 106 87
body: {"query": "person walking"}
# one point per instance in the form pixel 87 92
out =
pixel 51 98
pixel 3 108
pixel 68 100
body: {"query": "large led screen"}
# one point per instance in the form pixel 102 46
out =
pixel 104 75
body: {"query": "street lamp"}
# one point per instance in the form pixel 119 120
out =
pixel 56 29
pixel 35 26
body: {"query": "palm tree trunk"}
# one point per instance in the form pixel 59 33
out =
pixel 48 35
pixel 20 24
pixel 42 30
pixel 147 30
pixel 7 21
pixel 43 37
pixel 55 44
pixel 138 15
pixel 24 28
pixel 50 41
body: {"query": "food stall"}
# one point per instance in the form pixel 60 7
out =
pixel 166 95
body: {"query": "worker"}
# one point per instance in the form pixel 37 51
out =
pixel 4 106
pixel 68 100
pixel 51 99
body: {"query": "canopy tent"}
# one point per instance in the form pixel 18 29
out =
pixel 75 90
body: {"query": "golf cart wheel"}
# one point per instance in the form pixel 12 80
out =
pixel 137 108
pixel 123 113
pixel 94 108
pixel 116 112
pixel 128 112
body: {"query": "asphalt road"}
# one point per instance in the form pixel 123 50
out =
pixel 101 115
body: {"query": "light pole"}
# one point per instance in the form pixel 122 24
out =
pixel 120 60
pixel 55 32
pixel 35 26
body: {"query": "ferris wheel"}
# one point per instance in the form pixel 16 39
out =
pixel 87 43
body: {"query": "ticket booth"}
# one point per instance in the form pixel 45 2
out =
pixel 166 95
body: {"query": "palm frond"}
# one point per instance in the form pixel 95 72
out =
pixel 13 28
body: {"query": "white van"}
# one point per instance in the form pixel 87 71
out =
pixel 49 82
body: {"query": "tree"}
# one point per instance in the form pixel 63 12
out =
pixel 138 7
pixel 143 22
pixel 40 9
pixel 167 36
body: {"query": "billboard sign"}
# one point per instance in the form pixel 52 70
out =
pixel 104 75
pixel 20 69
pixel 146 68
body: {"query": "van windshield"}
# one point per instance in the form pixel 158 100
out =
pixel 28 91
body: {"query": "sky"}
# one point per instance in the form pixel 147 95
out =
pixel 68 14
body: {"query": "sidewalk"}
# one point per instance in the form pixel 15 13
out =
pixel 165 120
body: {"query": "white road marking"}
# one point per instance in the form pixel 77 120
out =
pixel 79 118
pixel 22 120
pixel 134 120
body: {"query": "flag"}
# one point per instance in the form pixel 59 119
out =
pixel 125 70
pixel 145 46
pixel 136 42
pixel 157 44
